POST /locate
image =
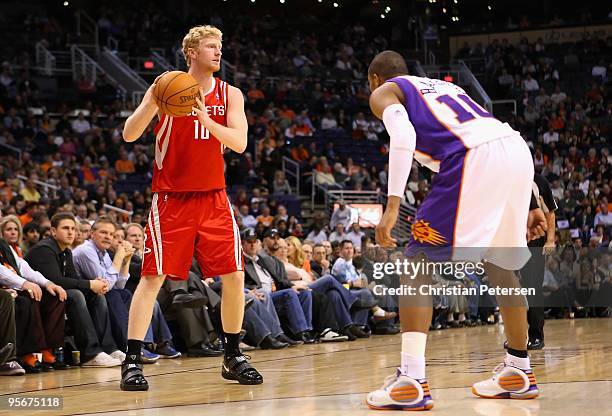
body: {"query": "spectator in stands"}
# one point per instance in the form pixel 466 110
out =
pixel 317 234
pixel 265 218
pixel 319 265
pixel 324 322
pixel 124 165
pixel 31 209
pixel 86 305
pixel 8 360
pixel 550 136
pixel 530 84
pixel 342 214
pixel 40 314
pixel 83 232
pixel 264 272
pixel 248 220
pixel 29 191
pixel 356 235
pixel 92 260
pixel 360 126
pixel 604 216
pixel 81 125
pixel 280 185
pixel 328 122
pixel 344 270
pixel 338 234
pixel 31 234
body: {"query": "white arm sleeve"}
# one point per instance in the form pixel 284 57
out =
pixel 401 149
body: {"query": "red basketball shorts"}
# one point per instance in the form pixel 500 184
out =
pixel 182 225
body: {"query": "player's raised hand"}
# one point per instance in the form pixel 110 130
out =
pixel 150 94
pixel 384 227
pixel 200 110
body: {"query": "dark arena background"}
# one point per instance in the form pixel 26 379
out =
pixel 306 194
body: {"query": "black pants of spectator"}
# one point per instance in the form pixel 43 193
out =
pixel 532 276
pixel 7 323
pixel 323 315
pixel 40 325
pixel 89 321
pixel 195 324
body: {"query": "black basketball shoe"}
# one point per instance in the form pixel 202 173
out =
pixel 132 378
pixel 236 367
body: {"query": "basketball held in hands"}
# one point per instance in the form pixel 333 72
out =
pixel 175 93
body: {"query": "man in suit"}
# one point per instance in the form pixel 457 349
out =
pixel 267 275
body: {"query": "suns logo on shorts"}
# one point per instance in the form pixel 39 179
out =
pixel 423 233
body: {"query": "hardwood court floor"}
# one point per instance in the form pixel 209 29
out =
pixel 574 373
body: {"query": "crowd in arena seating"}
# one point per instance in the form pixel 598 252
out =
pixel 302 103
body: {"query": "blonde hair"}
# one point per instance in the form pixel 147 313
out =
pixel 195 35
pixel 297 259
pixel 15 220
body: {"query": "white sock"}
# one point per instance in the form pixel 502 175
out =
pixel 413 354
pixel 522 363
pixel 379 312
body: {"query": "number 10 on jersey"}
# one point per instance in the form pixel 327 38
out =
pixel 199 132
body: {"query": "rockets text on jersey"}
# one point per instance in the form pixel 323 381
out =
pixel 187 157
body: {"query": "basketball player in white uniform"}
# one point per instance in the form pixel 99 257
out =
pixel 478 208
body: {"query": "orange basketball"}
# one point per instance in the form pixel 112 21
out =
pixel 175 93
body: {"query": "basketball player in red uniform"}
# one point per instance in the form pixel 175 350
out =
pixel 190 212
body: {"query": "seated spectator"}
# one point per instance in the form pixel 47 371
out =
pixel 317 234
pixel 81 125
pixel 342 214
pixel 360 126
pixel 265 218
pixel 324 322
pixel 375 128
pixel 8 363
pixel 604 216
pixel 550 136
pixel 558 97
pixel 263 274
pixel 530 84
pixel 92 260
pixel 124 165
pixel 356 235
pixel 328 121
pixel 280 185
pixel 83 232
pixel 39 314
pixel 186 301
pixel 86 305
pixel 319 265
pixel 338 234
pixel 345 272
pixel 29 191
pixel 31 236
pixel 248 220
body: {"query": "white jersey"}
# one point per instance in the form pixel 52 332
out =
pixel 446 120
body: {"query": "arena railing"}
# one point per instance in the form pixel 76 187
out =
pixel 119 210
pixel 17 150
pixel 48 186
pixel 405 218
pixel 160 61
pixel 127 77
pixel 476 87
pixel 87 30
pixel 292 171
pixel 85 66
pixel 44 59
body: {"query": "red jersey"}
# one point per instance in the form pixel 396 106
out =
pixel 187 157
